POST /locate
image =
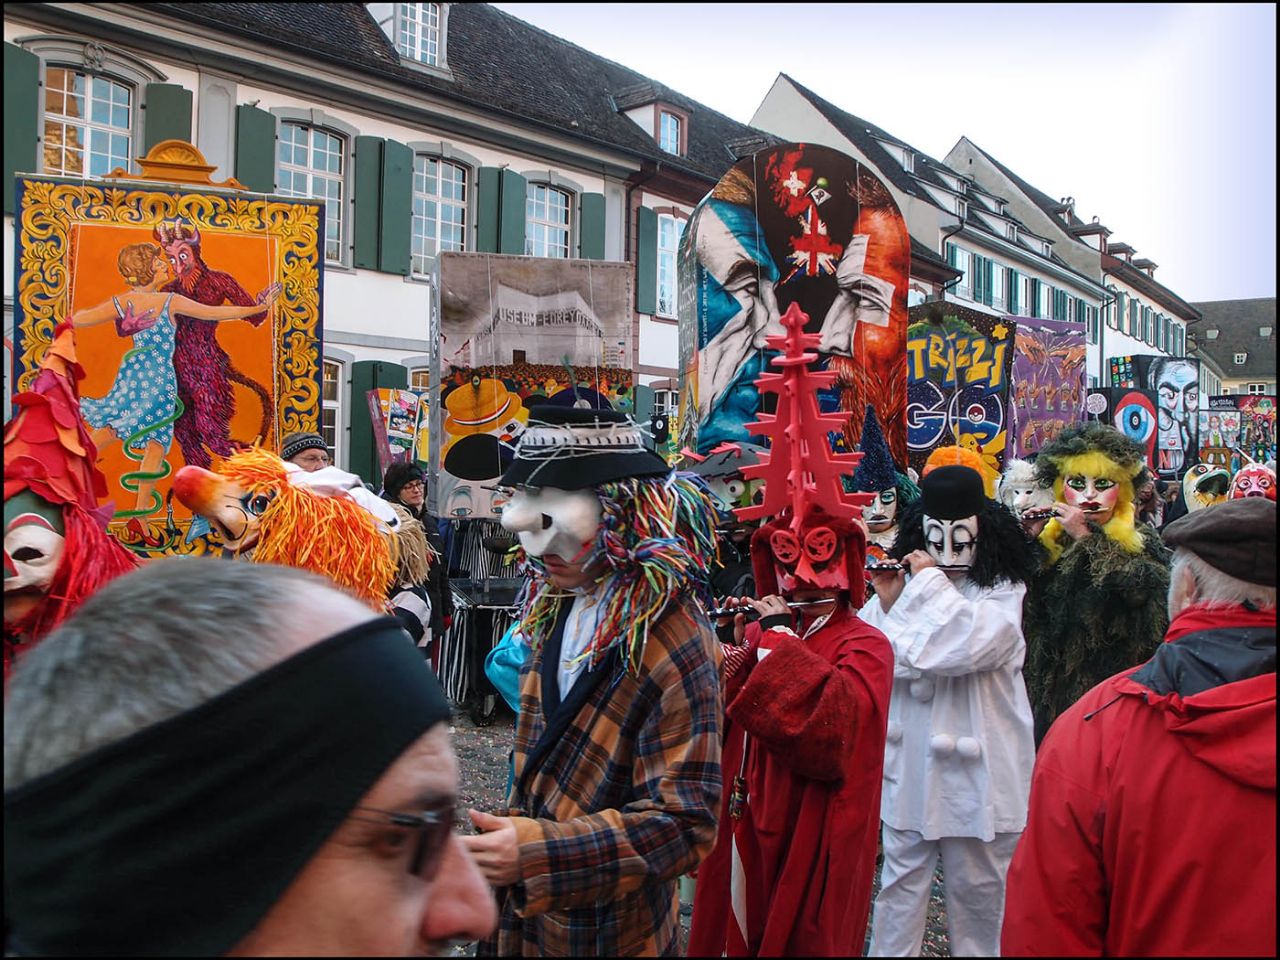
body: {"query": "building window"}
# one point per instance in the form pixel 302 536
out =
pixel 669 132
pixel 419 33
pixel 908 161
pixel 665 402
pixel 669 230
pixel 331 409
pixel 439 209
pixel 88 123
pixel 419 379
pixel 962 208
pixel 1042 305
pixel 1241 357
pixel 959 258
pixel 997 287
pixel 312 163
pixel 1257 388
pixel 1011 231
pixel 546 222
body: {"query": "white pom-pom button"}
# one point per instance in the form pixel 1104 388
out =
pixel 969 748
pixel 922 689
pixel 894 733
pixel 942 744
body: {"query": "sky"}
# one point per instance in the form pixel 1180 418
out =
pixel 1159 119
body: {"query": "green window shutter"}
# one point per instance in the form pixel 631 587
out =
pixel 21 100
pixel 990 267
pixel 167 115
pixel 397 208
pixel 978 276
pixel 592 232
pixel 487 190
pixel 369 375
pixel 1012 281
pixel 1035 298
pixel 646 261
pixel 512 199
pixel 951 254
pixel 368 197
pixel 256 149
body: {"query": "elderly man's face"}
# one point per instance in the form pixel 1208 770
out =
pixel 357 895
pixel 312 460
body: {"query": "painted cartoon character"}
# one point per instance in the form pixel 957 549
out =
pixel 1255 480
pixel 205 372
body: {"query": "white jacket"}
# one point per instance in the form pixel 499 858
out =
pixel 960 746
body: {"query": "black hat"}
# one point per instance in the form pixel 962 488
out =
pixel 1237 537
pixel 295 443
pixel 573 449
pixel 952 493
pixel 398 475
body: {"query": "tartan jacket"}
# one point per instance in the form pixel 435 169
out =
pixel 616 795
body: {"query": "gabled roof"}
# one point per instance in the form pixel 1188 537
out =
pixel 1052 208
pixel 497 63
pixel 1237 323
pixel 1138 279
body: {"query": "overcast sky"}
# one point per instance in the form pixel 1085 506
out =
pixel 1159 119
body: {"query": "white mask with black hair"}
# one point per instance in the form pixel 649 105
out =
pixel 951 543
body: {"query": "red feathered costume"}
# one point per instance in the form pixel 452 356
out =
pixel 804 734
pixel 49 452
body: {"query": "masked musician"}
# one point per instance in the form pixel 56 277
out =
pixel 959 750
pixel 878 475
pixel 617 748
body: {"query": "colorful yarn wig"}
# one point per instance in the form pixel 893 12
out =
pixel 657 541
pixel 1096 450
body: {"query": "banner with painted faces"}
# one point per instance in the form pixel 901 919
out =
pixel 1131 411
pixel 801 224
pixel 1047 386
pixel 958 365
pixel 1175 381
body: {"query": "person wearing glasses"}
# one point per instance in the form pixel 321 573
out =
pixel 405 484
pixel 216 758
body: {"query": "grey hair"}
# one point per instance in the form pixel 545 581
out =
pixel 1214 587
pixel 144 648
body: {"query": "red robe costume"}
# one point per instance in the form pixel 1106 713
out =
pixel 813 714
pixel 1152 827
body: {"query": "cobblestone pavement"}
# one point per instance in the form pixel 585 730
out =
pixel 482 783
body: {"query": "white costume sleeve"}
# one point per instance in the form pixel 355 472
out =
pixel 935 629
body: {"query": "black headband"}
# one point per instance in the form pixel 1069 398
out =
pixel 178 839
pixel 307 441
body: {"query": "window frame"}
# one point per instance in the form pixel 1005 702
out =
pixel 346 134
pixel 663 117
pixel 673 253
pixel 441 67
pixel 570 219
pixel 1261 391
pixel 342 361
pixel 93 59
pixel 467 205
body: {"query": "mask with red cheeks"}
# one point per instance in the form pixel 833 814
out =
pixel 824 553
pixel 1254 480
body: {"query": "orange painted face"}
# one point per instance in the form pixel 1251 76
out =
pixel 231 511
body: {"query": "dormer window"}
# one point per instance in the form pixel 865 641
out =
pixel 1240 358
pixel 962 208
pixel 908 161
pixel 1011 231
pixel 1211 333
pixel 669 131
pixel 1044 248
pixel 420 32
pixel 1264 332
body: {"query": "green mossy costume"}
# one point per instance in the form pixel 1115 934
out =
pixel 1099 604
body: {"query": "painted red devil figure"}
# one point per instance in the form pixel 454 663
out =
pixel 204 371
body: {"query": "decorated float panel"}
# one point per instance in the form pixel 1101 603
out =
pixel 804 225
pixel 1257 426
pixel 958 365
pixel 1129 410
pixel 514 332
pixel 1047 382
pixel 1175 381
pixel 1219 431
pixel 150 274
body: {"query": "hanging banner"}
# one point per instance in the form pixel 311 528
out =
pixel 400 419
pixel 1219 435
pixel 1257 426
pixel 958 366
pixel 514 332
pixel 801 224
pixel 1176 383
pixel 1047 382
pixel 197 321
pixel 1129 410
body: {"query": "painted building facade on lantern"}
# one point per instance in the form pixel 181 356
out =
pixel 411 125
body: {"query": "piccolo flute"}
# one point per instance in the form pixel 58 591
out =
pixel 875 565
pixel 753 614
pixel 1042 513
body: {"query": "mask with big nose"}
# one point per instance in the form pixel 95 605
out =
pixel 548 520
pixel 951 543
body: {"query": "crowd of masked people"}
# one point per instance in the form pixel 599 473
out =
pixel 1070 705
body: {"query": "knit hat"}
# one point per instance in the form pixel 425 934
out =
pixel 574 449
pixel 398 476
pixel 876 471
pixel 295 443
pixel 1237 537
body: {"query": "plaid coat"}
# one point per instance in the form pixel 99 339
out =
pixel 616 795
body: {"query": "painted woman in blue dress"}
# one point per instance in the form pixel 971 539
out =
pixel 142 404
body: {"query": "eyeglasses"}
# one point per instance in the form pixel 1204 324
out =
pixel 434 826
pixel 413 484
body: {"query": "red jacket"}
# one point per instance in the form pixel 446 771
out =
pixel 1152 827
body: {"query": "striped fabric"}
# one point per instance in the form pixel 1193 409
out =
pixel 623 803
